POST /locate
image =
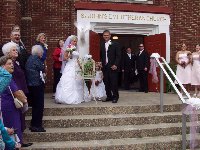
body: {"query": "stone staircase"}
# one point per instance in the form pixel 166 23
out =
pixel 107 126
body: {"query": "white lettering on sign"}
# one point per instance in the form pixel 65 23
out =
pixel 122 17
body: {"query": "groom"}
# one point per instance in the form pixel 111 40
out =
pixel 110 56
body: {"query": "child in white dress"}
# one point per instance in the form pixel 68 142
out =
pixel 97 90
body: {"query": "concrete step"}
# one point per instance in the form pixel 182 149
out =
pixel 102 133
pixel 134 123
pixel 105 109
pixel 108 120
pixel 172 142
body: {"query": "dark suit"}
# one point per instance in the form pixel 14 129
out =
pixel 111 76
pixel 23 56
pixel 128 65
pixel 142 61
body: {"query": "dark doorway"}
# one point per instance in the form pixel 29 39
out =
pixel 153 44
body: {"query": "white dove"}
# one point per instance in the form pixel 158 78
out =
pixel 83 28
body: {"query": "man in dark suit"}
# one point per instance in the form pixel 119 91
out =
pixel 110 55
pixel 128 67
pixel 22 52
pixel 142 65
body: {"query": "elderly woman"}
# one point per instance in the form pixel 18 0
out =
pixel 5 78
pixel 11 115
pixel 34 69
pixel 10 49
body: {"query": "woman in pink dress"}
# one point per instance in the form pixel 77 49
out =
pixel 184 68
pixel 195 80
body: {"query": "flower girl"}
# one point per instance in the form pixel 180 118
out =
pixel 97 90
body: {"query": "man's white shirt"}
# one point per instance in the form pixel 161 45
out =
pixel 141 52
pixel 106 47
pixel 129 55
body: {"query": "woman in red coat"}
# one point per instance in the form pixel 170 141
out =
pixel 56 56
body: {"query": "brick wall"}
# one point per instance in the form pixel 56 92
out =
pixel 10 15
pixel 56 18
pixel 1 20
pixel 185 23
pixel 52 17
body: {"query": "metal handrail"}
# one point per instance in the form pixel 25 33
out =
pixel 183 99
pixel 172 82
pixel 178 81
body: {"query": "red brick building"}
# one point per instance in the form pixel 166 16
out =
pixel 56 18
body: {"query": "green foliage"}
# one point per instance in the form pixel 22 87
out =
pixel 88 68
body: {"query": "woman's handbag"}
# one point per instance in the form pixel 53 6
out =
pixel 18 103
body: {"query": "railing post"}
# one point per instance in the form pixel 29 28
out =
pixel 161 90
pixel 183 130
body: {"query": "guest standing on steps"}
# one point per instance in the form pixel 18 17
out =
pixel 110 56
pixel 57 64
pixel 35 81
pixel 184 68
pixel 142 65
pixel 128 68
pixel 195 75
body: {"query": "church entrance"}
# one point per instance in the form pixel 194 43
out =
pixel 153 44
pixel 154 33
pixel 128 41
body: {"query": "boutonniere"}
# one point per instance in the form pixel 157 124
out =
pixel 109 42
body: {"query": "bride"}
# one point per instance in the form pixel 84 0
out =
pixel 71 88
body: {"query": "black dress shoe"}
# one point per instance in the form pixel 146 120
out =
pixel 40 129
pixel 107 99
pixel 114 101
pixel 27 144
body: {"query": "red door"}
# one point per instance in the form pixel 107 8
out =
pixel 155 44
pixel 94 45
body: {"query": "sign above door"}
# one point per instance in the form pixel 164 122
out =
pixel 122 17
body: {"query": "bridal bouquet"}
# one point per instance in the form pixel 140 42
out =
pixel 71 48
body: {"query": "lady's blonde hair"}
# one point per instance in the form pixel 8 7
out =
pixel 73 37
pixel 39 35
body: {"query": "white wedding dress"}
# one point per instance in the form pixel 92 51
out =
pixel 98 92
pixel 71 88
